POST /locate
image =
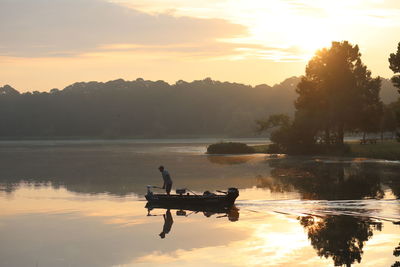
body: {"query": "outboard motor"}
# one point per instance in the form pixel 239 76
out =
pixel 233 193
pixel 149 194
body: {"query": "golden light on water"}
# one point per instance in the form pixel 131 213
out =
pixel 262 238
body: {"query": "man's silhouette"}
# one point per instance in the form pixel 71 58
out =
pixel 168 221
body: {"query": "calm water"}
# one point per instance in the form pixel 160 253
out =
pixel 82 204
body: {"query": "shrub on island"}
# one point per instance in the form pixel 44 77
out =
pixel 229 148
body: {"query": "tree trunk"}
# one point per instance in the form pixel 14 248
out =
pixel 340 136
pixel 340 174
pixel 327 136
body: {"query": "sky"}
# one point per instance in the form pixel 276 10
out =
pixel 47 44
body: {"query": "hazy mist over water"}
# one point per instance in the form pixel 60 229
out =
pixel 81 203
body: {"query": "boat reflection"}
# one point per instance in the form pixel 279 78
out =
pixel 232 213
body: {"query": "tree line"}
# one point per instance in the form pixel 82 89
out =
pixel 337 95
pixel 142 109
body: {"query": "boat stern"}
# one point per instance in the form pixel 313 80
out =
pixel 232 194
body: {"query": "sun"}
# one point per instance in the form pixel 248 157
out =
pixel 293 33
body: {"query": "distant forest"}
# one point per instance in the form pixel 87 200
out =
pixel 147 109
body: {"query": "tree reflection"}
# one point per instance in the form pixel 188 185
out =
pixel 330 181
pixel 229 160
pixel 340 237
pixel 396 253
pixel 392 177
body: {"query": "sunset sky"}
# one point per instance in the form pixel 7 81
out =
pixel 49 44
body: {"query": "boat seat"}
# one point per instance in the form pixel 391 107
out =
pixel 208 193
pixel 180 191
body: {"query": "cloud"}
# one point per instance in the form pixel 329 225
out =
pixel 212 50
pixel 54 28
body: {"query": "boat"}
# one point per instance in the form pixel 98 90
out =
pixel 184 200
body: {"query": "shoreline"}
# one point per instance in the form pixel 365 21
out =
pixel 383 150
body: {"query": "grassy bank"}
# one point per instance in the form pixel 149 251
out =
pixel 260 148
pixel 389 150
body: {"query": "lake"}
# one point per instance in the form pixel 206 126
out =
pixel 81 203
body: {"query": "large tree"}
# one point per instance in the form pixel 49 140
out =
pixel 394 61
pixel 338 93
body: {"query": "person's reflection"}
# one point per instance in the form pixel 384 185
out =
pixel 168 221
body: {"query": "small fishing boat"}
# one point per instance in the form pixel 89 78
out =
pixel 183 199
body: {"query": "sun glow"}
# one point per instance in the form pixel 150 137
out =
pixel 282 30
pixel 233 40
pixel 282 26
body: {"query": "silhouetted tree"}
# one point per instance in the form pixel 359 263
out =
pixel 338 92
pixel 394 60
pixel 389 122
pixel 289 136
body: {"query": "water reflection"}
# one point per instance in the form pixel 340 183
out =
pixel 117 169
pixel 293 211
pixel 331 181
pixel 231 213
pixel 341 238
pixel 396 253
pixel 59 220
pixel 229 160
pixel 168 221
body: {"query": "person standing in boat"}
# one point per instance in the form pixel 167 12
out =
pixel 167 179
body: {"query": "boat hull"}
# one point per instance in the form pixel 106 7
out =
pixel 211 200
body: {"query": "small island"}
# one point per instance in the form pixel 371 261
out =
pixel 230 148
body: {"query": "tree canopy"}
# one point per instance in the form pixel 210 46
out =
pixel 336 94
pixel 141 109
pixel 394 60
